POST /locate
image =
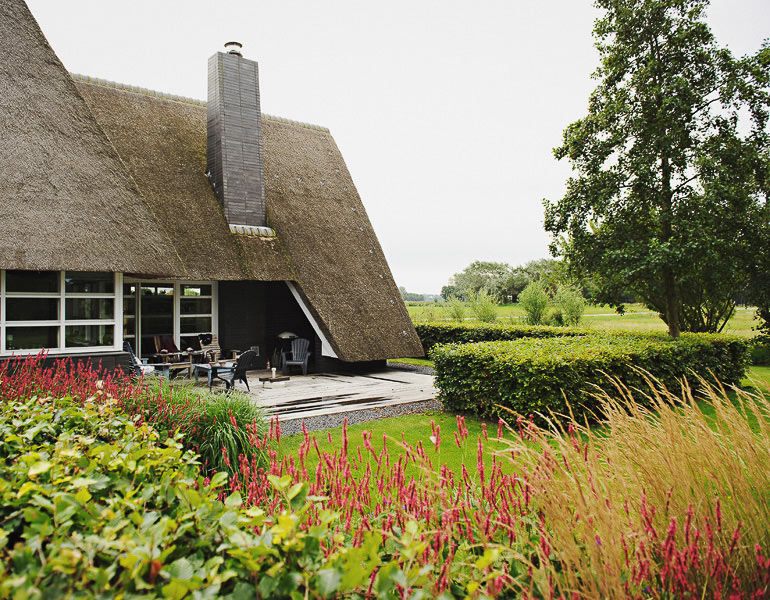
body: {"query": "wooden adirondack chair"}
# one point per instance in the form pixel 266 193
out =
pixel 299 355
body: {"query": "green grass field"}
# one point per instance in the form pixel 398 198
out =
pixel 637 317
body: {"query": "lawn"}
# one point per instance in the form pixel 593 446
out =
pixel 637 317
pixel 413 429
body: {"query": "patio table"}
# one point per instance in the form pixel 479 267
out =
pixel 212 369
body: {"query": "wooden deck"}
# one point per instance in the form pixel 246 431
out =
pixel 326 394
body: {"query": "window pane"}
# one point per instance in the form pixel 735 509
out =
pixel 195 324
pixel 32 281
pixel 32 309
pixel 158 289
pixel 26 338
pixel 129 326
pixel 195 290
pixel 129 289
pixel 92 283
pixel 80 336
pixel 195 306
pixel 89 308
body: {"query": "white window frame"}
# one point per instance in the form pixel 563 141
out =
pixel 62 322
pixel 177 284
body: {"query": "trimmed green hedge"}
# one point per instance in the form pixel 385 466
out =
pixel 435 333
pixel 530 375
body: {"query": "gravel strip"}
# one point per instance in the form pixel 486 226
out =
pixel 424 369
pixel 293 426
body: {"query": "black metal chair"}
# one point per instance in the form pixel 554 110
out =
pixel 298 356
pixel 237 372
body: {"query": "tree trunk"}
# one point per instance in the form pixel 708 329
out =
pixel 670 289
pixel 672 304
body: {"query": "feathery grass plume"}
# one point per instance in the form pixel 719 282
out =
pixel 671 499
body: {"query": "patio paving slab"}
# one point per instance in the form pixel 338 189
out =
pixel 324 400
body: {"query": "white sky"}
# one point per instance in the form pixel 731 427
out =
pixel 445 111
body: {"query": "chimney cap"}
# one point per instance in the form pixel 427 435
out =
pixel 234 48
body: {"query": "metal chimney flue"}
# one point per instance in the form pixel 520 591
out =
pixel 234 48
pixel 234 136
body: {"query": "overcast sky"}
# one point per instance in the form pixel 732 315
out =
pixel 445 111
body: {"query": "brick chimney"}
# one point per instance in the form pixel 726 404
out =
pixel 234 138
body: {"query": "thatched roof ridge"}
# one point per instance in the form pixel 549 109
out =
pixel 166 96
pixel 325 241
pixel 68 201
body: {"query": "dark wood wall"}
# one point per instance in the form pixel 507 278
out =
pixel 253 313
pixel 106 362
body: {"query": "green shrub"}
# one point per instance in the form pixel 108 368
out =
pixel 484 307
pixel 571 304
pixel 554 317
pixel 760 351
pixel 455 309
pixel 433 333
pixel 533 375
pixel 534 301
pixel 92 506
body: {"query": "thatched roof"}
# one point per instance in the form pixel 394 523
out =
pixel 67 200
pixel 325 242
pixel 99 177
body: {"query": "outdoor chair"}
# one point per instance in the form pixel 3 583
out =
pixel 210 346
pixel 297 356
pixel 140 369
pixel 237 372
pixel 165 342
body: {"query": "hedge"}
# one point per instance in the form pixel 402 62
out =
pixel 434 333
pixel 529 375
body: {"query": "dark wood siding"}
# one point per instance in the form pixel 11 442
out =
pixel 106 362
pixel 255 312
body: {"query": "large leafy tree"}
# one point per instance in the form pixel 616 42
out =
pixel 669 192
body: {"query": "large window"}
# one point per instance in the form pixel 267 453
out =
pixel 158 312
pixel 59 310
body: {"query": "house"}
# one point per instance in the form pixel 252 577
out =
pixel 129 214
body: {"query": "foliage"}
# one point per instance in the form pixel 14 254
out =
pixel 455 309
pixel 543 374
pixel 208 421
pixel 484 307
pixel 433 333
pixel 570 302
pixel 503 281
pixel 93 505
pixel 760 351
pixel 534 301
pixel 450 291
pixel 410 296
pixel 666 199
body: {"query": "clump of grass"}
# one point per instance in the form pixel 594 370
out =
pixel 671 499
pixel 215 424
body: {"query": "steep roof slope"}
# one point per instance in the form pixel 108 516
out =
pixel 67 200
pixel 325 242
